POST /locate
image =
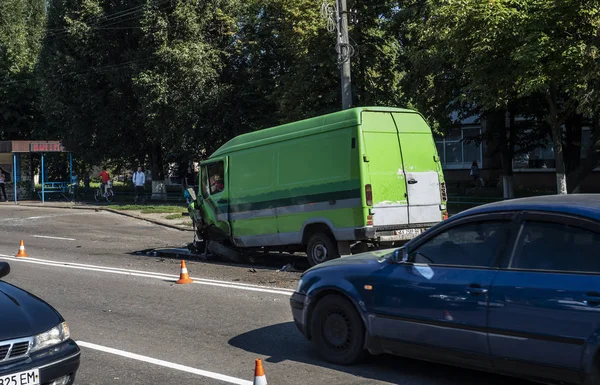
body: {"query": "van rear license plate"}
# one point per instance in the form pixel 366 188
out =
pixel 29 377
pixel 409 232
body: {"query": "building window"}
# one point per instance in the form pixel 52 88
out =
pixel 455 152
pixel 542 157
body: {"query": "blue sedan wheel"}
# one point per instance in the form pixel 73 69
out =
pixel 338 332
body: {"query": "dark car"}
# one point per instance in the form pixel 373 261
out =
pixel 35 343
pixel 511 287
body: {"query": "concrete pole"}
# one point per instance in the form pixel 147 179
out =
pixel 14 178
pixel 344 41
pixel 43 192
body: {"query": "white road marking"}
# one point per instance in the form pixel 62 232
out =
pixel 48 237
pixel 183 368
pixel 2 220
pixel 149 274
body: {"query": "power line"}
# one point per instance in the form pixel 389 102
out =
pixel 91 70
pixel 122 16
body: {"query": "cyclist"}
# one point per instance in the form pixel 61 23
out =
pixel 139 179
pixel 105 178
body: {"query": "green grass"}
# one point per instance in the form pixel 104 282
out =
pixel 174 216
pixel 151 209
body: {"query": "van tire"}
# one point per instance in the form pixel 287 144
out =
pixel 321 248
pixel 224 252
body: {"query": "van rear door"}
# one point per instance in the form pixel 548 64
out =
pixel 421 167
pixel 384 165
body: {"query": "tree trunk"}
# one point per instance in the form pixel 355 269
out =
pixel 559 159
pixel 556 123
pixel 589 163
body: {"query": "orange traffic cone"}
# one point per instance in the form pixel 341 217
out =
pixel 184 277
pixel 259 373
pixel 22 252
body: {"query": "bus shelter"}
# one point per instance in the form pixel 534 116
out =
pixel 11 153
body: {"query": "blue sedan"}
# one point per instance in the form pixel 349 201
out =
pixel 511 287
pixel 35 343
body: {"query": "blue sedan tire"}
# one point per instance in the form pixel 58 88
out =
pixel 593 378
pixel 338 332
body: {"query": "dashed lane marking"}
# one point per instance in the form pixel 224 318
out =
pixel 49 237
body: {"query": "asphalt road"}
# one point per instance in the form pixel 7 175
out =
pixel 135 326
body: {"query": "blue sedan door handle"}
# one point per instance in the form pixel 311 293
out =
pixel 476 289
pixel 591 298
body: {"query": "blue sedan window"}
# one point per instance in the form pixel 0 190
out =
pixel 473 244
pixel 557 247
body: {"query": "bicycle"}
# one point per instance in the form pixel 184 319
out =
pixel 109 194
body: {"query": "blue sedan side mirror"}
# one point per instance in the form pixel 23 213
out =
pixel 400 255
pixel 4 269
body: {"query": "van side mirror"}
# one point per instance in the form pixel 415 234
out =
pixel 4 269
pixel 400 255
pixel 192 193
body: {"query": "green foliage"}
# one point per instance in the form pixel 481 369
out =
pixel 505 55
pixel 22 24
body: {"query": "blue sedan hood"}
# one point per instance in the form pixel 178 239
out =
pixel 358 259
pixel 23 315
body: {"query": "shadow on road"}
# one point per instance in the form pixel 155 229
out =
pixel 283 342
pixel 271 261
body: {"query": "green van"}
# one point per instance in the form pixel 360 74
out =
pixel 361 176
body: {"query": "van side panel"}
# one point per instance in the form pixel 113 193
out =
pixel 325 169
pixel 279 188
pixel 252 176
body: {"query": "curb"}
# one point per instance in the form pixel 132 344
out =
pixel 147 219
pixel 98 208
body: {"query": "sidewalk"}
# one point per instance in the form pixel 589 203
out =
pixel 155 218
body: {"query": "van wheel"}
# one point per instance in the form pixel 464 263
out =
pixel 320 248
pixel 338 333
pixel 224 252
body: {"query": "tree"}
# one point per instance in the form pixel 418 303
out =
pixel 490 56
pixel 22 24
pixel 128 81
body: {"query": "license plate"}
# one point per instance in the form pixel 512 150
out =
pixel 409 232
pixel 30 377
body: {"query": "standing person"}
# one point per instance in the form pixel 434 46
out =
pixel 189 181
pixel 105 178
pixel 86 182
pixel 139 180
pixel 475 172
pixel 74 184
pixel 2 180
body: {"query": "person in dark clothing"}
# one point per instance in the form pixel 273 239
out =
pixel 475 174
pixel 3 175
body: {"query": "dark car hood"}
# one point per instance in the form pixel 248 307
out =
pixel 358 259
pixel 22 314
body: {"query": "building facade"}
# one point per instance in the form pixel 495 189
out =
pixel 534 170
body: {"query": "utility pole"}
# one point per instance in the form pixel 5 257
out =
pixel 344 54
